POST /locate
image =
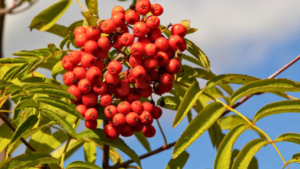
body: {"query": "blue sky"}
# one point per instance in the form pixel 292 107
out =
pixel 249 37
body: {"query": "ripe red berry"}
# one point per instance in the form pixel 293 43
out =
pixel 89 99
pixel 124 29
pixel 119 120
pixel 137 107
pixel 167 88
pixel 139 72
pixel 118 8
pixel 170 53
pixel 149 131
pixel 143 83
pixel 162 58
pixel 93 74
pixel 158 89
pixel 123 88
pixel 139 127
pixel 154 34
pixel 93 33
pixel 157 9
pixel 146 117
pixel 162 44
pixel 124 107
pixel 183 46
pixel 79 29
pixel 150 49
pixel 144 41
pixel 135 61
pixel 150 63
pixel 132 119
pixel 154 75
pixel 110 111
pixel 140 29
pixel 67 65
pixel 110 89
pixel 108 26
pixel 118 18
pixel 92 124
pixel 81 39
pixel 112 79
pixel 148 106
pixel 114 67
pixel 81 109
pixel 137 49
pixel 99 64
pixel 75 92
pixel 127 39
pixel 173 66
pixel 79 72
pixel 178 29
pixel 105 100
pixel 88 60
pixel 91 47
pixel 157 112
pixel 153 22
pixel 104 43
pixel 117 44
pixel 175 42
pixel 126 131
pixel 91 114
pixel 128 76
pixel 69 78
pixel 132 96
pixel 101 54
pixel 143 7
pixel 111 132
pixel 145 93
pixel 132 17
pixel 100 88
pixel 166 79
pixel 84 86
pixel 75 57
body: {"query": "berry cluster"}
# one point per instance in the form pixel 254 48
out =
pixel 152 65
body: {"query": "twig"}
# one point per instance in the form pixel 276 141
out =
pixel 163 134
pixel 64 153
pixel 81 5
pixel 166 28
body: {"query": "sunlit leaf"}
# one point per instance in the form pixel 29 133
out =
pixel 143 140
pixel 289 137
pixel 92 5
pixel 179 161
pixel 89 152
pixel 198 53
pixel 81 164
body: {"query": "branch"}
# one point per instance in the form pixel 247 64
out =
pixel 105 161
pixel 4 11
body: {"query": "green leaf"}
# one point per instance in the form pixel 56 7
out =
pixel 266 85
pixel 13 60
pixel 27 160
pixel 229 122
pixel 61 122
pixel 191 59
pixel 60 104
pixel 93 6
pixel 48 17
pixel 178 162
pixel 58 30
pixel 52 47
pixel 143 140
pixel 224 153
pixel 64 41
pixel 216 135
pixel 58 68
pixel 198 53
pixel 26 103
pixel 244 158
pixel 25 126
pixel 38 85
pixel 89 152
pixel 167 32
pixel 90 18
pixel 171 102
pixel 189 30
pixel 202 122
pixel 73 146
pixel 18 71
pixel 5 136
pixel 81 164
pixel 253 164
pixel 286 106
pixel 295 159
pixel 188 101
pixel 28 53
pixel 11 89
pixel 98 135
pixel 289 137
pixel 53 92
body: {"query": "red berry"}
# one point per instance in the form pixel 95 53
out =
pixel 149 131
pixel 112 79
pixel 118 9
pixel 173 66
pixel 91 114
pixel 84 86
pixel 126 131
pixel 143 83
pixel 110 111
pixel 157 9
pixel 118 18
pixel 148 106
pixel 162 44
pixel 124 107
pixel 105 100
pixel 111 132
pixel 128 76
pixel 118 44
pixel 154 75
pixel 135 61
pixel 104 43
pixel 81 39
pixel 75 92
pixel 139 72
pixel 150 63
pixel 110 89
pixel 69 78
pixel 79 29
pixel 99 64
pixel 91 124
pixel 150 49
pixel 140 29
pixel 143 7
pixel 157 112
pixel 93 74
pixel 139 127
pixel 178 29
pixel 127 39
pixel 146 117
pixel 100 88
pixel 162 58
pixel 137 107
pixel 81 109
pixel 88 60
pixel 175 42
pixel 170 53
pixel 145 93
pixel 132 17
pixel 132 119
pixel 119 120
pixel 79 72
pixel 144 41
pixel 75 57
pixel 137 49
pixel 154 34
pixel 89 99
pixel 123 88
pixel 101 54
pixel 166 79
pixel 108 26
pixel 114 67
pixel 124 29
pixel 167 88
pixel 91 47
pixel 153 22
pixel 158 89
pixel 93 33
pixel 67 65
pixel 132 96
